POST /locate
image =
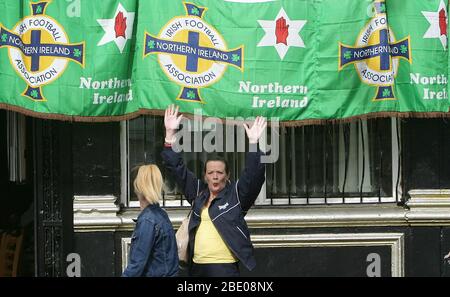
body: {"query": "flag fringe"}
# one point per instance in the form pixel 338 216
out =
pixel 296 123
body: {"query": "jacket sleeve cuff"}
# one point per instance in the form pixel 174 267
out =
pixel 253 147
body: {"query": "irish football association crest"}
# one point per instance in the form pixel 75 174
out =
pixel 39 49
pixel 376 54
pixel 192 53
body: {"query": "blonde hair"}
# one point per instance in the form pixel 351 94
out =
pixel 148 183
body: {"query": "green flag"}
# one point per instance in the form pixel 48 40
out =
pixel 68 60
pixel 300 61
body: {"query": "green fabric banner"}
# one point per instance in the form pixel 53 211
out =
pixel 302 61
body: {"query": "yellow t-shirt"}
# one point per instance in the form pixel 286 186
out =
pixel 209 246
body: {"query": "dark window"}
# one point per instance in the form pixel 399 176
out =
pixel 333 163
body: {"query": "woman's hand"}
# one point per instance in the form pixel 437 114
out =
pixel 254 133
pixel 171 122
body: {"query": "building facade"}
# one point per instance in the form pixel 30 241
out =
pixel 368 198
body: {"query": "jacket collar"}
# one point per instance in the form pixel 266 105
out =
pixel 148 208
pixel 223 193
pixel 152 206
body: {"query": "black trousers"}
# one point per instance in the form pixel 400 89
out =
pixel 215 270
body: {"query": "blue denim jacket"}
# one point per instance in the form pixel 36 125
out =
pixel 153 250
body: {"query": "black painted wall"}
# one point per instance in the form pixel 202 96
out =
pixel 426 153
pixel 97 252
pixel 96 158
pixel 423 256
pixel 96 171
pixel 425 249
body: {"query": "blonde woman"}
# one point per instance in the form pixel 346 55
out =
pixel 153 250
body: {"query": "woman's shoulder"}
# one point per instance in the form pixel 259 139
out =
pixel 150 213
pixel 155 212
pixel 158 217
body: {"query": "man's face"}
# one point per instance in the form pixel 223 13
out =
pixel 216 176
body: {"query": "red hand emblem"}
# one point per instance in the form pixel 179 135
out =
pixel 282 31
pixel 443 22
pixel 121 25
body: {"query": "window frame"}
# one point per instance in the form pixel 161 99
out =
pixel 262 199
